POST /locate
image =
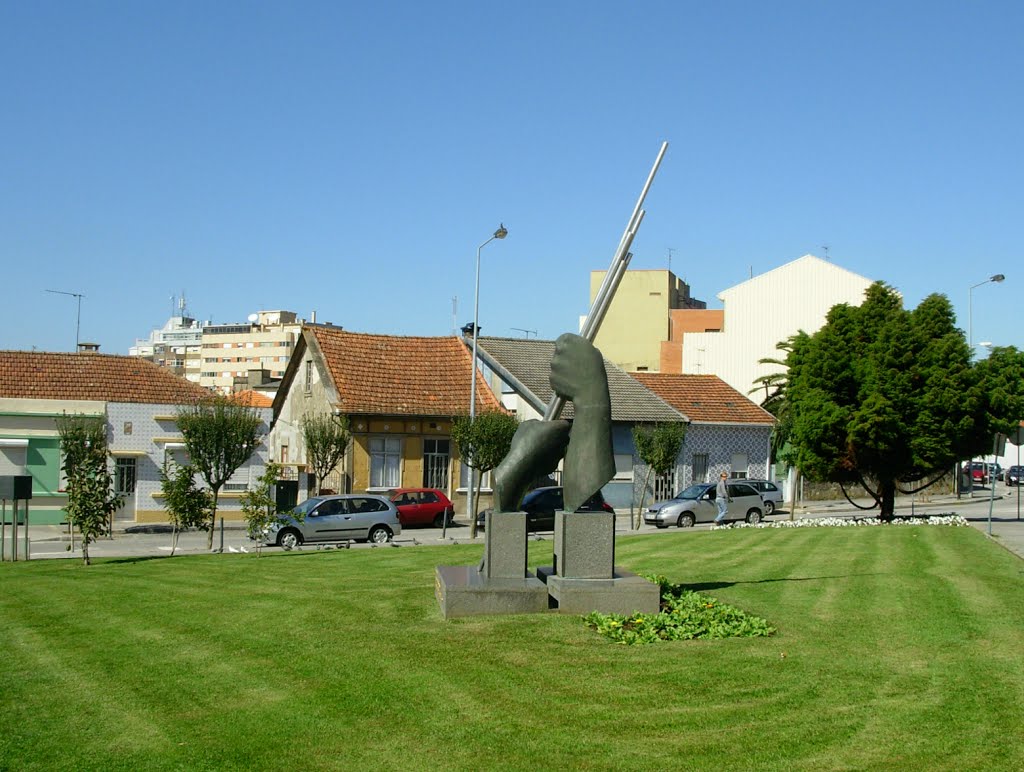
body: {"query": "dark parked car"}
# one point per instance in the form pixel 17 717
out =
pixel 1014 474
pixel 422 506
pixel 541 504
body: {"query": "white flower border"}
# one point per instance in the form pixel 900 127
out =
pixel 847 522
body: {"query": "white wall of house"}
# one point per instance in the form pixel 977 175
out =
pixel 765 310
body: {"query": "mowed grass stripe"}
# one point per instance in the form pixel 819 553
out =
pixel 339 659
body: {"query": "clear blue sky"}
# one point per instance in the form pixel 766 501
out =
pixel 350 157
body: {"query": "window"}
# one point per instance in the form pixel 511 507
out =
pixel 485 480
pixel 436 454
pixel 284 454
pixel 385 462
pixel 700 467
pixel 739 466
pixel 125 473
pixel 308 386
pixel 623 466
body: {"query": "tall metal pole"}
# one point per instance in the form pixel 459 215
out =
pixel 501 233
pixel 612 277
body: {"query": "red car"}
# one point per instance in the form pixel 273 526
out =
pixel 422 506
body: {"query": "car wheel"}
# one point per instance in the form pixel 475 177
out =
pixel 440 518
pixel 686 520
pixel 380 534
pixel 769 507
pixel 289 539
pixel 754 516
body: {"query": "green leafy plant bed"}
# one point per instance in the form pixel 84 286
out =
pixel 684 615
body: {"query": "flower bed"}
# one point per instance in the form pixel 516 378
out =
pixel 848 522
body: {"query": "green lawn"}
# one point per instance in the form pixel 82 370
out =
pixel 898 648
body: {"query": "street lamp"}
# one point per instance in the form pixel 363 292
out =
pixel 501 233
pixel 970 308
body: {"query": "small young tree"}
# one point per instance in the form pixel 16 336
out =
pixel 483 443
pixel 187 506
pixel 326 438
pixel 220 435
pixel 90 486
pixel 259 506
pixel 658 447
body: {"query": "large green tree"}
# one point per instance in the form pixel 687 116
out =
pixel 220 435
pixel 90 486
pixel 483 442
pixel 888 398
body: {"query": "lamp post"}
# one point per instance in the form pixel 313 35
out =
pixel 970 308
pixel 501 233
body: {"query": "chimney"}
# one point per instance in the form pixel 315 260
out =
pixel 312 317
pixel 88 348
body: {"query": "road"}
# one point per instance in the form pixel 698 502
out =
pixel 135 541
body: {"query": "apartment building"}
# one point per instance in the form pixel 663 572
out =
pixel 176 346
pixel 231 352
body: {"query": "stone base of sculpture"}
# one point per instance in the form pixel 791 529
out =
pixel 503 585
pixel 584 577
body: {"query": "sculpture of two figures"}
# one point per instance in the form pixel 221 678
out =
pixel 578 376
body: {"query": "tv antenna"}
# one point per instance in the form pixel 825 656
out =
pixel 670 251
pixel 525 332
pixel 826 248
pixel 78 317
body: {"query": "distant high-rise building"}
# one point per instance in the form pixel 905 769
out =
pixel 245 354
pixel 176 345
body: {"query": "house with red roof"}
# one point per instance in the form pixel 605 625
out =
pixel 137 399
pixel 727 432
pixel 399 394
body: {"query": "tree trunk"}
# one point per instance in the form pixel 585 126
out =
pixel 85 551
pixel 174 538
pixel 643 497
pixel 474 501
pixel 213 519
pixel 887 493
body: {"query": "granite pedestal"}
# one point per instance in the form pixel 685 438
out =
pixel 584 578
pixel 502 585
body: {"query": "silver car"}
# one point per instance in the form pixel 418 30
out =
pixel 771 494
pixel 349 517
pixel 696 504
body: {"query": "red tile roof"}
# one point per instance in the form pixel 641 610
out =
pixel 705 398
pixel 90 376
pixel 251 398
pixel 398 375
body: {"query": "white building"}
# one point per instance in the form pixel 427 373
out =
pixel 176 345
pixel 767 309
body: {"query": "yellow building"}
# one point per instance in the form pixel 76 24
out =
pixel 639 318
pixel 399 394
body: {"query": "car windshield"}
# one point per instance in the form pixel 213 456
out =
pixel 693 492
pixel 307 506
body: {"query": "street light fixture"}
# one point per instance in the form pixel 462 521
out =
pixel 970 308
pixel 501 233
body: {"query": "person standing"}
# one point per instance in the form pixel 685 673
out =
pixel 722 498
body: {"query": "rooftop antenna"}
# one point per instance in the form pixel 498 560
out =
pixel 525 332
pixel 670 251
pixel 825 247
pixel 78 317
pixel 455 313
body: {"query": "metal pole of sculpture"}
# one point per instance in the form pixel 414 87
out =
pixel 612 277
